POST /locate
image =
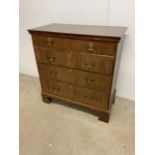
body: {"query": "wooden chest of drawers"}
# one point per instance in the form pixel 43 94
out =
pixel 79 64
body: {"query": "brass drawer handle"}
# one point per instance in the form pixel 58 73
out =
pixel 71 88
pixel 89 81
pixel 91 47
pixel 52 59
pixel 50 43
pixel 89 66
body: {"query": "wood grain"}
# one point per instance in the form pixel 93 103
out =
pixel 79 64
pixel 104 31
pixel 94 81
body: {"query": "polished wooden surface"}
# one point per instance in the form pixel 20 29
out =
pixel 79 64
pixel 94 81
pixel 94 47
pixel 79 94
pixel 105 31
pixel 87 62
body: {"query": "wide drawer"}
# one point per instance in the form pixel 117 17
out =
pixel 62 44
pixel 83 95
pixel 88 62
pixel 96 47
pixel 95 63
pixel 90 80
pixel 53 43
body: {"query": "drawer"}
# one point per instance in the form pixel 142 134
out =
pixel 95 63
pixel 94 81
pixel 103 48
pixel 57 88
pixel 65 58
pixel 92 98
pixel 90 80
pixel 83 95
pixel 56 44
pixel 58 73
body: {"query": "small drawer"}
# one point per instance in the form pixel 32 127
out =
pixel 61 89
pixel 92 98
pixel 57 88
pixel 103 48
pixel 95 63
pixel 56 44
pixel 57 73
pixel 94 81
pixel 66 58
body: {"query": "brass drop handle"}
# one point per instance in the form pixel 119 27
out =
pixel 91 47
pixel 89 66
pixel 50 43
pixel 89 81
pixel 52 59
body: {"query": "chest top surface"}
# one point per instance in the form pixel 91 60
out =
pixel 103 31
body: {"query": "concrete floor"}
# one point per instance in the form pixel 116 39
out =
pixel 60 129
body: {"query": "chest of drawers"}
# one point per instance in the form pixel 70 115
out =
pixel 79 64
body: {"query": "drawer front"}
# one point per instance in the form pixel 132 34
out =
pixel 41 55
pixel 83 95
pixel 56 88
pixel 66 58
pixel 105 48
pixel 56 44
pixel 89 97
pixel 94 81
pixel 90 80
pixel 95 63
pixel 58 73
